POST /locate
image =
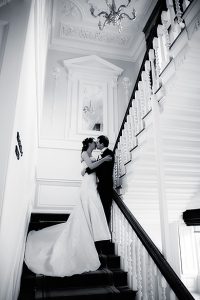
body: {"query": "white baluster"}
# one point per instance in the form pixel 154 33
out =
pixel 124 243
pixel 126 143
pixel 179 14
pixel 113 222
pixel 141 95
pixel 119 173
pixel 123 141
pixel 133 250
pixel 157 63
pixel 161 51
pixel 139 270
pixel 144 273
pixel 153 70
pixel 122 170
pixel 115 170
pixel 165 21
pixel 133 129
pixel 150 279
pixel 145 93
pixel 138 112
pixel 129 254
pixel 163 287
pixel 173 25
pixel 148 89
pixel 131 136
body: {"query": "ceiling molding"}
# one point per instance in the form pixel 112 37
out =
pixel 111 53
pixel 75 30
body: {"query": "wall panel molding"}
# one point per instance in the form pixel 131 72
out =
pixel 56 195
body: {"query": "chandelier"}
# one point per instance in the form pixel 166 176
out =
pixel 114 16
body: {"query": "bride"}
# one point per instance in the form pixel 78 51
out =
pixel 68 248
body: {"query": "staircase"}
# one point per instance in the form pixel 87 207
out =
pixel 108 282
pixel 177 131
pixel 157 151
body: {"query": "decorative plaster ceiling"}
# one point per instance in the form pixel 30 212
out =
pixel 4 2
pixel 75 30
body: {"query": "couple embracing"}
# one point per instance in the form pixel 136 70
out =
pixel 69 248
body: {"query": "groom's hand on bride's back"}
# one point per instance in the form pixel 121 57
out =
pixel 88 170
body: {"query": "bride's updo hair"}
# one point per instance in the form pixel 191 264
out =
pixel 86 143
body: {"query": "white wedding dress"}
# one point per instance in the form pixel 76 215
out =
pixel 68 248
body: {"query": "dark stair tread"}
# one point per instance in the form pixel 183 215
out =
pixel 119 277
pixel 40 217
pixel 95 278
pixel 43 224
pixel 87 291
pixel 110 260
pixel 105 247
pixel 126 290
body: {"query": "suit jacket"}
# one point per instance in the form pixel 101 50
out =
pixel 104 171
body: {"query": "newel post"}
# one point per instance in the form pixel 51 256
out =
pixel 163 207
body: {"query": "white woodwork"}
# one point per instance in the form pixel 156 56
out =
pixel 143 274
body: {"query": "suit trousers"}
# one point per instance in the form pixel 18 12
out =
pixel 105 194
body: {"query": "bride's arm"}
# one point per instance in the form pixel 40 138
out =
pixel 93 165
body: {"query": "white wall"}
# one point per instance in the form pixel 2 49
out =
pixel 58 167
pixel 55 59
pixel 58 180
pixel 18 112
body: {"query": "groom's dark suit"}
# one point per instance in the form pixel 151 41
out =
pixel 104 174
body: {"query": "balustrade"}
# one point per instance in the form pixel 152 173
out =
pixel 148 272
pixel 141 102
pixel 141 261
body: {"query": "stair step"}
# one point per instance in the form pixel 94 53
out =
pixel 42 220
pixel 100 277
pixel 126 293
pixel 43 224
pixel 110 261
pixel 78 293
pixel 119 277
pixel 98 293
pixel 105 247
pixel 41 217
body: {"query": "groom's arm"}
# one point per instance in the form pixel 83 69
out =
pixel 89 171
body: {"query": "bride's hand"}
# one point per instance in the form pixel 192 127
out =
pixel 108 158
pixel 83 171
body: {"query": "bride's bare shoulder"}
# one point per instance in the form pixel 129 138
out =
pixel 84 154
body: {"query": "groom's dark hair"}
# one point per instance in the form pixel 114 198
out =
pixel 103 140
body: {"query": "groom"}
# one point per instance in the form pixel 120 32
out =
pixel 104 174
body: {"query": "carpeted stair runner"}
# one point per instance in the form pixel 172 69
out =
pixel 108 282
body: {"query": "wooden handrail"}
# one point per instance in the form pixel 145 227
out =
pixel 168 273
pixel 149 38
pixel 131 98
